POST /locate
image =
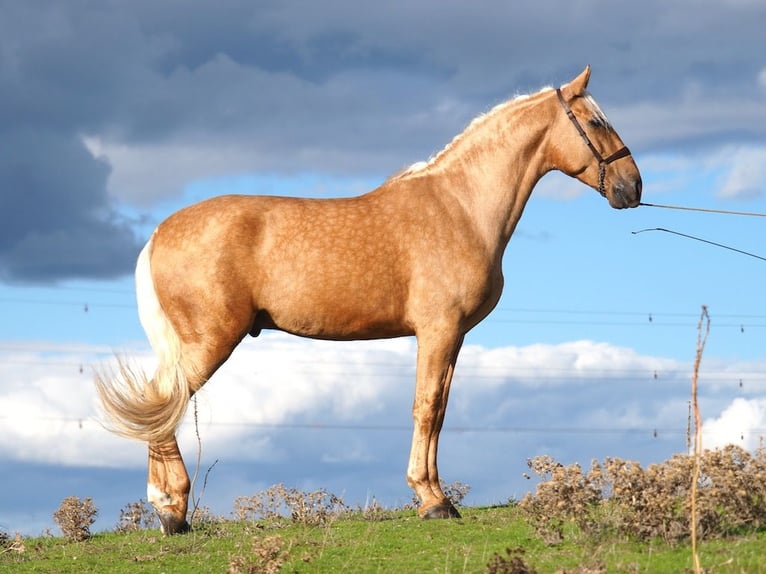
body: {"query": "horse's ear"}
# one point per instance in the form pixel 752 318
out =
pixel 577 86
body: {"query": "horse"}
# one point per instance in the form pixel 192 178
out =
pixel 421 255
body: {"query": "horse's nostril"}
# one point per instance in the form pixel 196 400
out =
pixel 639 186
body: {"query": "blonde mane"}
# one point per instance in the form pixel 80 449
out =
pixel 421 167
pixel 475 124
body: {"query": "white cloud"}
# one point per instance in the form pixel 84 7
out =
pixel 694 117
pixel 743 422
pixel 745 172
pixel 556 185
pixel 546 365
pixel 172 166
pixel 50 413
pixel 762 79
pixel 729 172
pixel 280 398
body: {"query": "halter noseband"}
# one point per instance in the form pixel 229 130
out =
pixel 602 161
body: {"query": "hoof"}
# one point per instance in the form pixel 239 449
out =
pixel 443 510
pixel 170 524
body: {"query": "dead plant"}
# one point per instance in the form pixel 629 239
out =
pixel 308 508
pixel 624 498
pixel 266 556
pixel 512 563
pixel 136 516
pixel 74 517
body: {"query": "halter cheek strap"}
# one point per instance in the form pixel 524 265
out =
pixel 602 161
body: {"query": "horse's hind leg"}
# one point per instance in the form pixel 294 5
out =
pixel 167 487
pixel 193 320
pixel 168 484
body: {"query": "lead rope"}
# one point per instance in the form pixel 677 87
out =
pixel 701 240
pixel 704 209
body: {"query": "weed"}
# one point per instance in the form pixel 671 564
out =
pixel 266 557
pixel 622 497
pixel 15 544
pixel 566 495
pixel 373 511
pixel 74 517
pixel 136 516
pixel 454 491
pixel 278 501
pixel 512 564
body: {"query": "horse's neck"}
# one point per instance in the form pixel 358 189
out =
pixel 496 166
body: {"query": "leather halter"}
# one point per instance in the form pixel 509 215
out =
pixel 602 161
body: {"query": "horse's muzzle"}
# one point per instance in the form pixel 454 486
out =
pixel 626 193
pixel 172 524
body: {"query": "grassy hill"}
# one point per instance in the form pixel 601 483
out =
pixel 388 541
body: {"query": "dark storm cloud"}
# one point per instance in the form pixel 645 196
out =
pixel 57 222
pixel 170 91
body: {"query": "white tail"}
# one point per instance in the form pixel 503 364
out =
pixel 139 408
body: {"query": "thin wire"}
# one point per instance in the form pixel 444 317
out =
pixel 340 427
pixel 700 239
pixel 500 315
pixel 704 209
pixel 80 304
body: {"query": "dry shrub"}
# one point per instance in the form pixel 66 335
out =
pixel 15 544
pixel 733 491
pixel 454 491
pixel 374 511
pixel 565 495
pixel 266 556
pixel 622 497
pixel 308 508
pixel 136 516
pixel 651 502
pixel 74 517
pixel 203 516
pixel 512 563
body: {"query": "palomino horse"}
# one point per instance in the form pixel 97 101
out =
pixel 420 255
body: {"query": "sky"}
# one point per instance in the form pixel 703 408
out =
pixel 113 115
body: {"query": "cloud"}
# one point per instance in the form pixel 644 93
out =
pixel 172 167
pixel 745 174
pixel 59 221
pixel 279 382
pixel 742 422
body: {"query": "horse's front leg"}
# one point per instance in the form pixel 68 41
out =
pixel 437 355
pixel 168 485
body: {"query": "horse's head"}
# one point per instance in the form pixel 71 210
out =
pixel 587 147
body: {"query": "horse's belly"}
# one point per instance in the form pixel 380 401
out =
pixel 352 308
pixel 339 319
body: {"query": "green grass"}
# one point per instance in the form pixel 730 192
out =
pixel 350 543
